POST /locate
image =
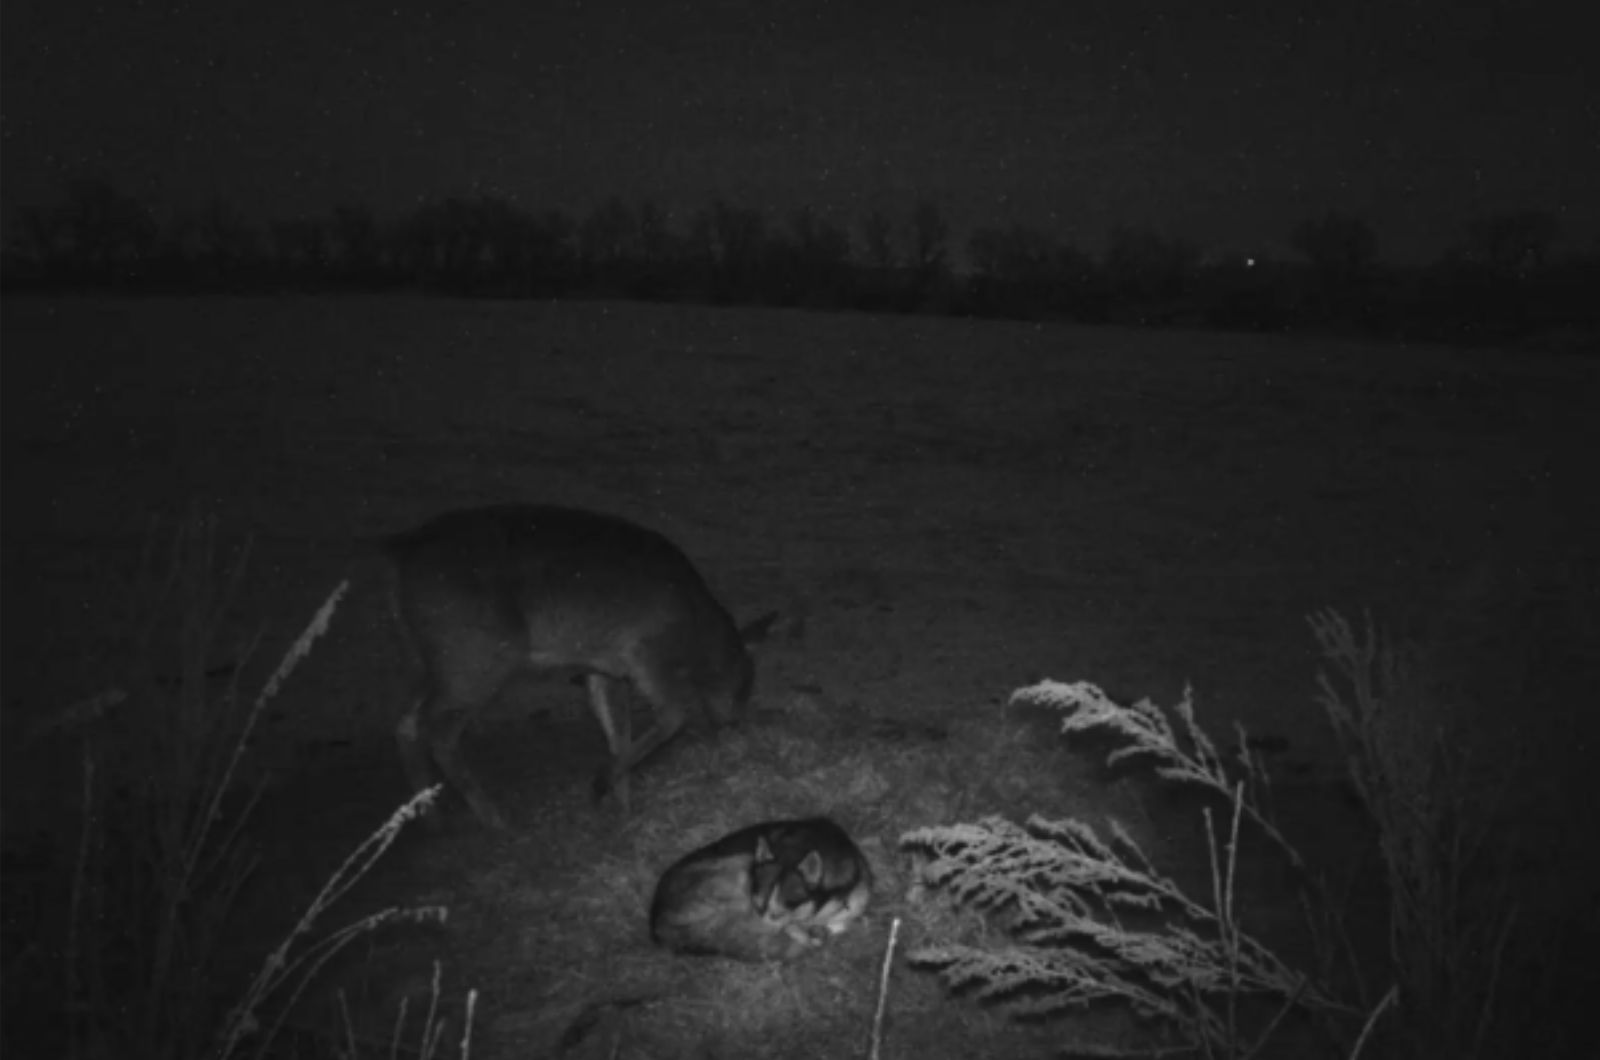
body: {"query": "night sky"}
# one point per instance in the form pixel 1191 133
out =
pixel 1223 122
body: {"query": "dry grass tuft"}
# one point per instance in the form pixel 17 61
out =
pixel 1084 917
pixel 163 844
pixel 1451 910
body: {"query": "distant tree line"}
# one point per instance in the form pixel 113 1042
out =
pixel 1499 284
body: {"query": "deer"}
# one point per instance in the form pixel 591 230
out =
pixel 485 593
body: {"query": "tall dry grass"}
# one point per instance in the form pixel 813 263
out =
pixel 163 845
pixel 1451 905
pixel 1090 919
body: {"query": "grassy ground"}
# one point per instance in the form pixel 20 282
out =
pixel 942 510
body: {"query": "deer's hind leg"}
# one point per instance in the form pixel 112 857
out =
pixel 668 699
pixel 616 721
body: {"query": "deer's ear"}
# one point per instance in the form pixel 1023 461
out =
pixel 763 850
pixel 757 630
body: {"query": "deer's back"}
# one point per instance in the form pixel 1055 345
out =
pixel 559 586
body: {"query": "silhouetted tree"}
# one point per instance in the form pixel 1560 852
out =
pixel 929 233
pixel 488 255
pixel 1245 290
pixel 928 262
pixel 657 267
pixel 740 235
pixel 1020 271
pixel 357 242
pixel 96 232
pixel 178 247
pixel 1500 282
pixel 1145 265
pixel 820 240
pixel 300 248
pixel 450 244
pixel 731 244
pixel 415 244
pixel 550 243
pixel 875 280
pixel 1342 249
pixel 1512 245
pixel 42 237
pixel 812 265
pixel 877 242
pixel 609 237
pixel 1485 287
pixel 225 243
pixel 655 237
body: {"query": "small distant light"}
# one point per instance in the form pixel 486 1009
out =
pixel 1249 263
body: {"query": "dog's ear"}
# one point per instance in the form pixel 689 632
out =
pixel 765 881
pixel 763 851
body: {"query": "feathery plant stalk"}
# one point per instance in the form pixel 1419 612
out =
pixel 1062 891
pixel 1065 895
pixel 162 850
pixel 153 881
pixel 280 972
pixel 1450 912
pixel 430 1039
pixel 1148 733
pixel 162 855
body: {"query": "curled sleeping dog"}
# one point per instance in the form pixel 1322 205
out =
pixel 768 892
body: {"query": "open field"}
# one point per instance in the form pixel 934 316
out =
pixel 942 510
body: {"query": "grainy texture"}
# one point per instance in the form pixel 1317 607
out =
pixel 943 510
